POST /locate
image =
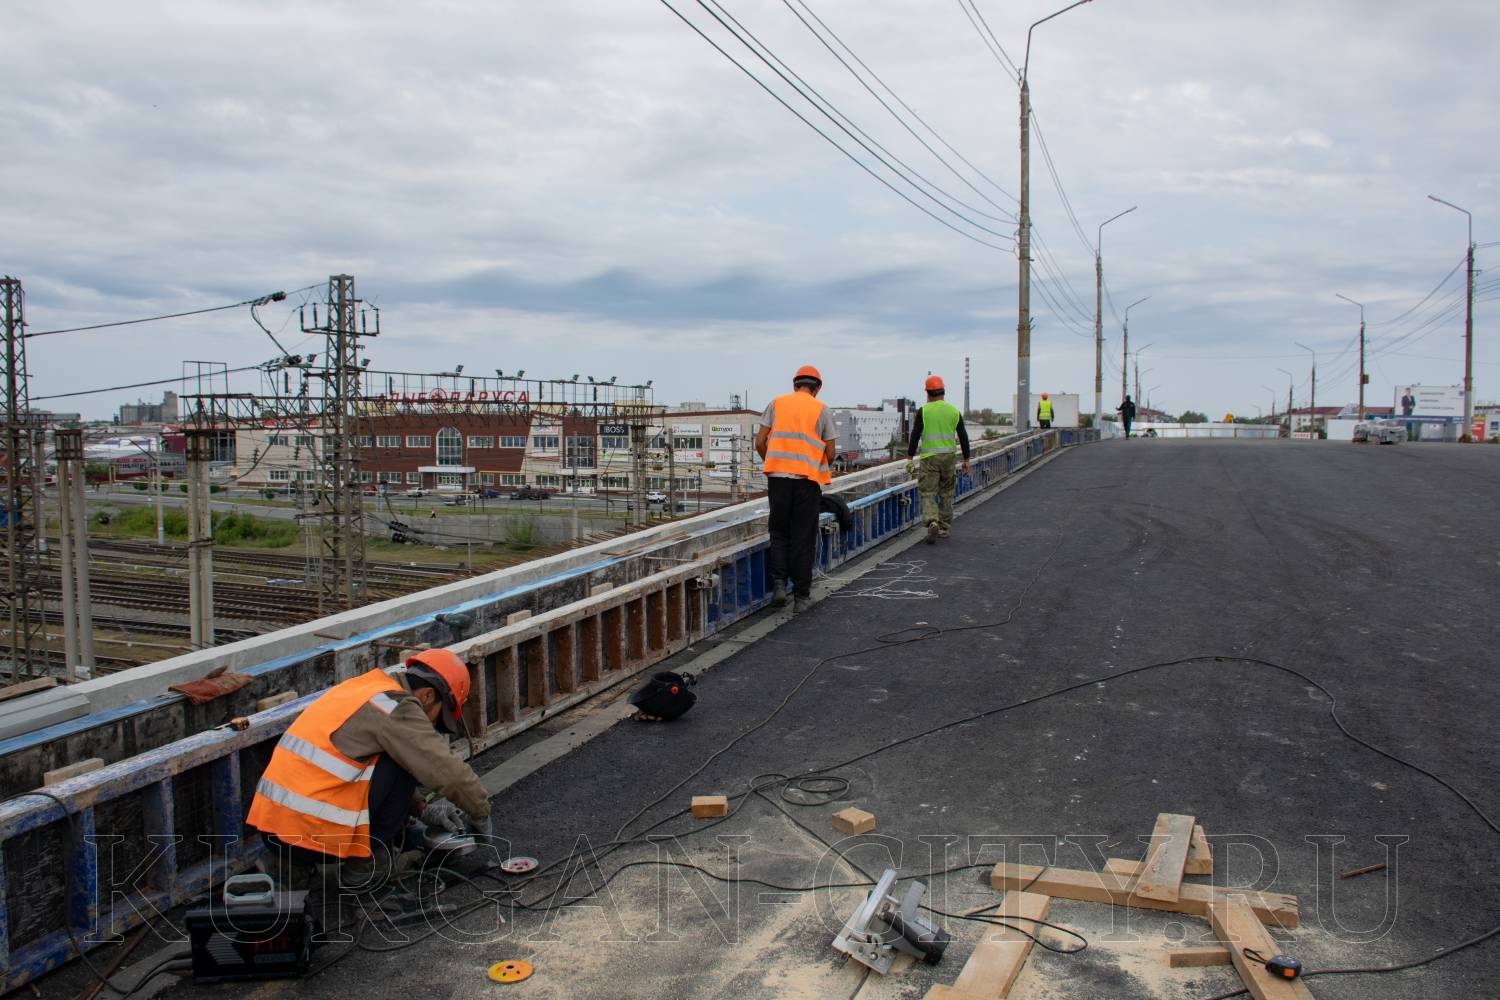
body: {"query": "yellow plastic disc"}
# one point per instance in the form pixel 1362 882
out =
pixel 512 971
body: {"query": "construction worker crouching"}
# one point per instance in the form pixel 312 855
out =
pixel 938 434
pixel 1044 412
pixel 342 781
pixel 795 441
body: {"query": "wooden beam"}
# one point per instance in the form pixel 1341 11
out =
pixel 1200 859
pixel 997 960
pixel 1277 909
pixel 1166 859
pixel 1123 868
pixel 1194 958
pixel 1239 929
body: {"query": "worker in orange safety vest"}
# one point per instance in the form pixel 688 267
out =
pixel 342 781
pixel 796 442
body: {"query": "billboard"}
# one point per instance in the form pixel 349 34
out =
pixel 1429 400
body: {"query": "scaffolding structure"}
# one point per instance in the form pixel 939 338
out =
pixel 24 612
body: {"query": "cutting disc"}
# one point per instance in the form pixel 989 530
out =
pixel 518 865
pixel 512 971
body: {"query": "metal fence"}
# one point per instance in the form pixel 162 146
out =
pixel 105 851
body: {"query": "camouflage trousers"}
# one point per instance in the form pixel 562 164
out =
pixel 936 479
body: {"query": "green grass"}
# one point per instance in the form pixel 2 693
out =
pixel 239 530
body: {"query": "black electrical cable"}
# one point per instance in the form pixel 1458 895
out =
pixel 191 312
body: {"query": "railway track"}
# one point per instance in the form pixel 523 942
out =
pixel 143 626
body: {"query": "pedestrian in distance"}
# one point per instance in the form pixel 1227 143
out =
pixel 1126 410
pixel 1044 412
pixel 937 436
pixel 795 441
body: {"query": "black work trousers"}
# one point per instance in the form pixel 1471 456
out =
pixel 794 531
pixel 391 790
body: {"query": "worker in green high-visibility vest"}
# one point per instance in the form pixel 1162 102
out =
pixel 937 437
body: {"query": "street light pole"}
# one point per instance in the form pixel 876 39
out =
pixel 1466 437
pixel 1290 379
pixel 1273 400
pixel 1023 241
pixel 1099 316
pixel 1125 351
pixel 1363 378
pixel 1312 401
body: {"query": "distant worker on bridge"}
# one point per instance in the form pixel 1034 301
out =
pixel 1044 412
pixel 342 781
pixel 1127 414
pixel 796 442
pixel 938 433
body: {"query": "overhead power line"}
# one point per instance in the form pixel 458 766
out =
pixel 139 385
pixel 262 300
pixel 976 18
pixel 828 138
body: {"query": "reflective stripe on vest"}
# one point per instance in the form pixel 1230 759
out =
pixel 794 447
pixel 310 794
pixel 939 428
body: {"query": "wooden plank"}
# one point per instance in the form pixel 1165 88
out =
pixel 1239 929
pixel 1200 859
pixel 27 687
pixel 280 698
pixel 1273 908
pixel 72 770
pixel 1123 868
pixel 1196 958
pixel 997 959
pixel 1166 859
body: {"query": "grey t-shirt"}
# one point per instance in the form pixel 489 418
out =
pixel 825 431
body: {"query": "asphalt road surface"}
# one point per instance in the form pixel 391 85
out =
pixel 1371 570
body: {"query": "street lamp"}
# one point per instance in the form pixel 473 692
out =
pixel 1363 378
pixel 1023 241
pixel 1312 397
pixel 1290 380
pixel 1125 351
pixel 1468 327
pixel 1099 315
pixel 1273 400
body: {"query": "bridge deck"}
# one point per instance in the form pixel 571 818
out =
pixel 1369 569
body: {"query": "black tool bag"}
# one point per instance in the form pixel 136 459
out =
pixel 666 695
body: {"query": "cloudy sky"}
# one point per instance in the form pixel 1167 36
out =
pixel 590 187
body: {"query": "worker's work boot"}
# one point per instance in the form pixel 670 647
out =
pixel 801 604
pixel 932 532
pixel 778 594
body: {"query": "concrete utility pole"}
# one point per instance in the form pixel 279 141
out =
pixel 1467 435
pixel 1099 316
pixel 24 606
pixel 74 508
pixel 1023 241
pixel 638 431
pixel 200 539
pixel 1363 378
pixel 1312 405
pixel 65 555
pixel 966 386
pixel 1273 400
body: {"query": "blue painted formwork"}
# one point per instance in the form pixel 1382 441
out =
pixel 119 846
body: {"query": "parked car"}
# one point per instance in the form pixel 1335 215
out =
pixel 530 493
pixel 656 496
pixel 489 493
pixel 458 500
pixel 417 491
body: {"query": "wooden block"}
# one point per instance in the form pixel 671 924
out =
pixel 600 588
pixel 853 821
pixel 1275 908
pixel 27 687
pixel 992 969
pixel 710 806
pixel 1200 860
pixel 517 616
pixel 1166 859
pixel 1123 868
pixel 940 992
pixel 1237 926
pixel 1195 958
pixel 271 701
pixel 72 770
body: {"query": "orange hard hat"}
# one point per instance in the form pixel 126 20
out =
pixel 934 383
pixel 807 373
pixel 449 677
pixel 1044 395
